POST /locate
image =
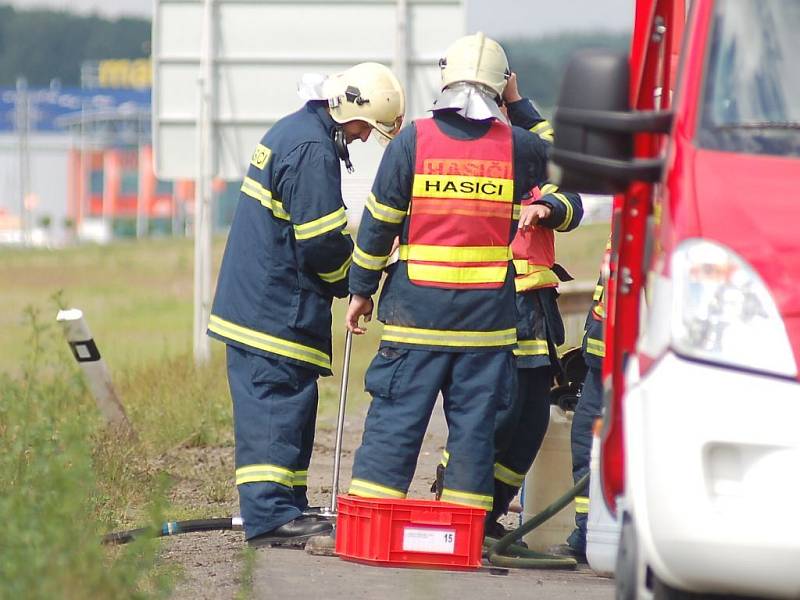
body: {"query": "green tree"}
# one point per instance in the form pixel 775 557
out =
pixel 42 45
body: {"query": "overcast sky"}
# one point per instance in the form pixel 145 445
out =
pixel 499 18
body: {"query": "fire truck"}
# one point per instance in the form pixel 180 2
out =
pixel 697 133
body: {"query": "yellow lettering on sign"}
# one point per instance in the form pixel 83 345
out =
pixel 260 156
pixel 124 73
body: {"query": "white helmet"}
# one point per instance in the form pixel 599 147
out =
pixel 476 59
pixel 367 92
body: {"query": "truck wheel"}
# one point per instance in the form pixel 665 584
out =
pixel 626 571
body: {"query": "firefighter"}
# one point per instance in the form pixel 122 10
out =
pixel 589 408
pixel 540 330
pixel 287 256
pixel 450 187
pixel 520 429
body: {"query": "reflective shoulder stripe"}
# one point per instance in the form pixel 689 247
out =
pixel 329 222
pixel 454 254
pixel 568 205
pixel 456 275
pixel 467 499
pixel 338 274
pixel 266 472
pixel 582 505
pixel 531 348
pixel 368 489
pixel 383 212
pixel 369 261
pixel 439 337
pixel 269 343
pixel 596 347
pixel 508 476
pixel 598 292
pixel 445 458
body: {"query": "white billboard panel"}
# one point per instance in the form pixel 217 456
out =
pixel 261 49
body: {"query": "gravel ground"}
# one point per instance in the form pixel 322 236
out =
pixel 214 566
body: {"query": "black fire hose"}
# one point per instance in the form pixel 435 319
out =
pixel 504 553
pixel 174 528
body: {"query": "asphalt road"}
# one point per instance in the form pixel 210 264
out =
pixel 281 573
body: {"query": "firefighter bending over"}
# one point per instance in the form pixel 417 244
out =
pixel 287 256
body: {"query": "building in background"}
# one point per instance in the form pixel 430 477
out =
pixel 76 163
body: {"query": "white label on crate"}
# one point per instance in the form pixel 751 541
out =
pixel 440 541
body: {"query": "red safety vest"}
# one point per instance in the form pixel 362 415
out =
pixel 534 253
pixel 461 209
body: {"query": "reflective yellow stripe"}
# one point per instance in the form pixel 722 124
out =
pixel 368 489
pixel 270 343
pixel 548 188
pixel 300 479
pixel 544 130
pixel 599 310
pixel 440 337
pixel 258 192
pixel 508 476
pixel 257 473
pixel 582 505
pixel 383 212
pixel 445 458
pixel 463 186
pixel 338 274
pixel 598 292
pixel 467 499
pixel 369 261
pixel 516 211
pixel 596 347
pixel 531 348
pixel 568 205
pixel 329 222
pixel 445 274
pixel 536 279
pixel 454 253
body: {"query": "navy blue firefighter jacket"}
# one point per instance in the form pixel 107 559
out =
pixel 427 317
pixel 288 253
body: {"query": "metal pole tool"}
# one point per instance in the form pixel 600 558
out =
pixel 330 511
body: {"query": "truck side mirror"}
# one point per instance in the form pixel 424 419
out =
pixel 594 127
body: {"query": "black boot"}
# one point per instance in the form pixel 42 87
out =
pixel 293 533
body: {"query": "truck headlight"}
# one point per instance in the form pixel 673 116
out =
pixel 722 311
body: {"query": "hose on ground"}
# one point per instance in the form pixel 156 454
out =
pixel 504 553
pixel 173 528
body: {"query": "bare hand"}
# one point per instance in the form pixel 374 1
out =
pixel 359 306
pixel 532 214
pixel 511 93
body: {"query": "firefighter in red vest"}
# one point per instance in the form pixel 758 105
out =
pixel 540 331
pixel 450 187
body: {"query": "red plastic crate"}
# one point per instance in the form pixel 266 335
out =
pixel 409 533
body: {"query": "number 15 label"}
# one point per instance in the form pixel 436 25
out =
pixel 418 539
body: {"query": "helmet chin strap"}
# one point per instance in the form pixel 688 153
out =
pixel 341 147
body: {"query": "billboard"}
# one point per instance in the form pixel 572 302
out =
pixel 48 106
pixel 261 48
